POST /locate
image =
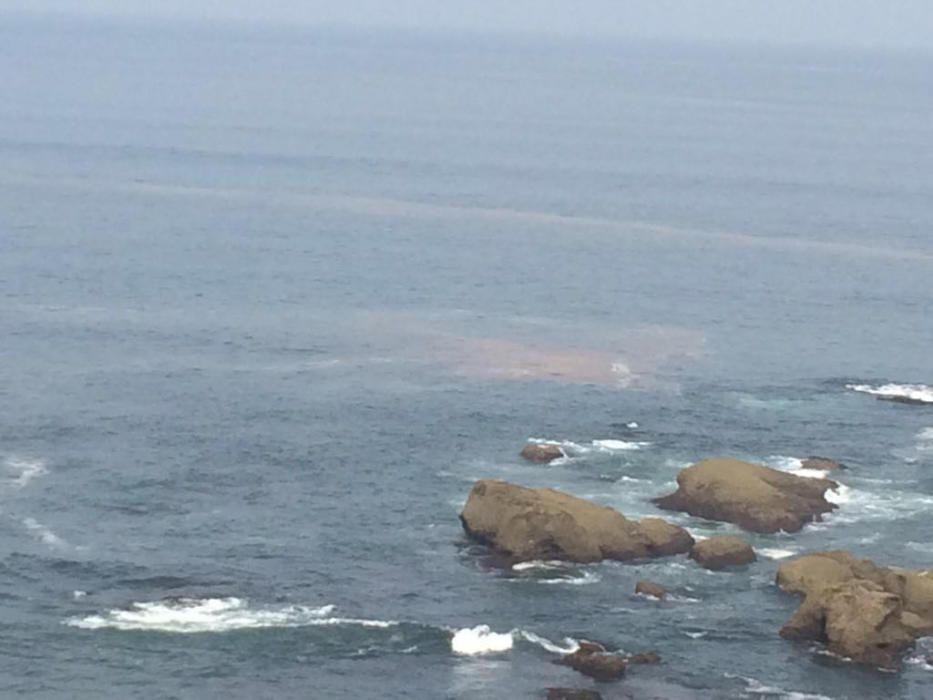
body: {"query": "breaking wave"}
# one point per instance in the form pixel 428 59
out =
pixel 916 393
pixel 200 615
pixel 481 640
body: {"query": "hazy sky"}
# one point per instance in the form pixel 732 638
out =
pixel 898 23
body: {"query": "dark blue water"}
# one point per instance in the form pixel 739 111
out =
pixel 271 300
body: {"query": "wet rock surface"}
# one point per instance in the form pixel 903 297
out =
pixel 527 524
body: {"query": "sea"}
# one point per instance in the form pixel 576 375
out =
pixel 273 298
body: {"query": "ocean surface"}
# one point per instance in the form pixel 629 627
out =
pixel 271 300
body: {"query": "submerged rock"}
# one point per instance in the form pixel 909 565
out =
pixel 752 496
pixel 822 464
pixel 595 661
pixel 527 524
pixel 860 610
pixel 652 589
pixel 542 453
pixel 572 694
pixel 717 553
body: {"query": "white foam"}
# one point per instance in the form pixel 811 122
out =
pixel 587 578
pixel 608 446
pixel 913 392
pixel 921 662
pixel 756 687
pixel 479 640
pixel 538 564
pixel 44 533
pixel 774 553
pixel 795 466
pixel 78 594
pixel 570 644
pixel 840 495
pixel 787 464
pixel 24 470
pixel 198 615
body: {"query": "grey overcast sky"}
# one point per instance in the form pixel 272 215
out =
pixel 891 23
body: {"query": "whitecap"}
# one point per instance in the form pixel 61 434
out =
pixel 921 393
pixel 921 662
pixel 199 615
pixel 538 564
pixel 755 687
pixel 585 579
pixel 24 470
pixel 775 553
pixel 570 644
pixel 479 640
pixel 44 533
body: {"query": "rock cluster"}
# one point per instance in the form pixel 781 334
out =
pixel 752 496
pixel 527 524
pixel 595 661
pixel 860 610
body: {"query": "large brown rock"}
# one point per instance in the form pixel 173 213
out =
pixel 527 524
pixel 717 553
pixel 542 453
pixel 752 496
pixel 860 610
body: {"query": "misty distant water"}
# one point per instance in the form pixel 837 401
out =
pixel 271 300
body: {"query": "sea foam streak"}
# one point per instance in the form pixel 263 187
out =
pixel 197 615
pixel 920 393
pixel 758 688
pixel 44 533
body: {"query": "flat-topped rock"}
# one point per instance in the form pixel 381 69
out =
pixel 754 497
pixel 821 464
pixel 527 524
pixel 717 553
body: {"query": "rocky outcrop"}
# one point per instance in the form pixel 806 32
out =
pixel 542 453
pixel 595 661
pixel 717 553
pixel 860 610
pixel 526 524
pixel 822 464
pixel 649 588
pixel 752 496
